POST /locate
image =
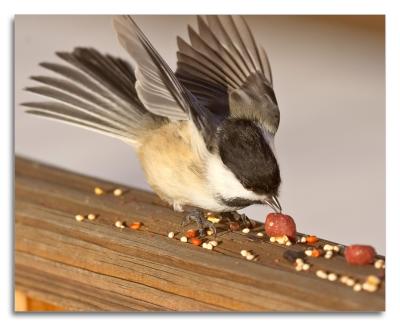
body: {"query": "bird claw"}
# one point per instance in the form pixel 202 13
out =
pixel 202 223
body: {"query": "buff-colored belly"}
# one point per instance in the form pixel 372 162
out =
pixel 173 170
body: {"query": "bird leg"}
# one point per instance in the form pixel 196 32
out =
pixel 197 215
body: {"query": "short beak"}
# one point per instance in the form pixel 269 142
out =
pixel 273 202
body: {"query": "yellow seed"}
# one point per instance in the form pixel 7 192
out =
pixel 91 217
pixel 210 232
pixel 350 282
pixel 117 192
pixel 213 219
pixel 306 267
pixel 272 239
pixel 98 191
pixel 288 243
pixel 79 217
pixel 299 267
pixel 344 279
pixel 372 279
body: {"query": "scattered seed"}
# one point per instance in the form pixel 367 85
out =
pixel 315 253
pixel 350 282
pixel 117 192
pixel 332 277
pixel 250 257
pixel 191 233
pixel 303 240
pixel 343 279
pixel 298 267
pixel 272 239
pixel 357 287
pixel 213 219
pixel 171 235
pixel 311 239
pixel 336 248
pixel 196 241
pixel 321 274
pixel 328 247
pixel 299 261
pixel 91 217
pixel 122 226
pixel 288 243
pixel 98 191
pixel 210 232
pixel 79 217
pixel 374 280
pixel 306 267
pixel 246 230
pixel 308 252
pixel 213 243
pixel 184 239
pixel 328 254
pixel 118 224
pixel 260 234
pixel 207 246
pixel 379 263
pixel 135 225
pixel 369 287
pixel 244 253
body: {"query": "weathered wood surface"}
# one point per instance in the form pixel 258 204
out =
pixel 92 265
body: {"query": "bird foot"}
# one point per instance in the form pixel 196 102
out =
pixel 202 223
pixel 241 218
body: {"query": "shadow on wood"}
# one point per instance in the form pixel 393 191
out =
pixel 95 266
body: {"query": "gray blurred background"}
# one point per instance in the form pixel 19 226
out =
pixel 329 78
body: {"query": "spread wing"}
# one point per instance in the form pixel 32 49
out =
pixel 156 85
pixel 227 71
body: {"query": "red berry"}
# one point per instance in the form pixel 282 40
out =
pixel 359 254
pixel 278 225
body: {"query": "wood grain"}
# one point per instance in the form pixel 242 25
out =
pixel 95 266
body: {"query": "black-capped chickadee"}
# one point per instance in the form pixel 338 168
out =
pixel 204 135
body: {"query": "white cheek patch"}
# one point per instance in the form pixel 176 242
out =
pixel 223 181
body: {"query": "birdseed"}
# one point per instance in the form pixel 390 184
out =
pixel 184 239
pixel 357 287
pixel 79 217
pixel 213 243
pixel 260 234
pixel 118 224
pixel 171 235
pixel 98 191
pixel 246 230
pixel 332 277
pixel 91 217
pixel 321 274
pixel 244 253
pixel 117 192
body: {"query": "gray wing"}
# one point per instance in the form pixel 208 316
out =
pixel 157 86
pixel 93 91
pixel 227 71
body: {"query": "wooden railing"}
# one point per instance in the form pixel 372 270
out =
pixel 95 266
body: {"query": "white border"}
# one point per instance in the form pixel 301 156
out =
pixel 9 8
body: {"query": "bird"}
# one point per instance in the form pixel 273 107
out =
pixel 204 134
